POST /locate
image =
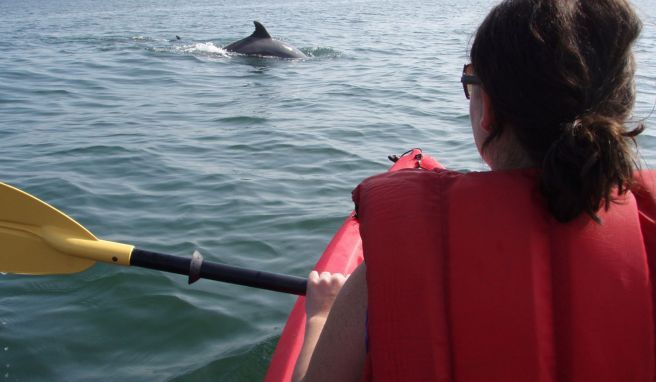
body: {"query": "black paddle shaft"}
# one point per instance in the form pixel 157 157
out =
pixel 219 272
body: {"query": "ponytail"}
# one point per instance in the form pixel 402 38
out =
pixel 590 161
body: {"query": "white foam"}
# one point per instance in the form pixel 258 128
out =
pixel 203 48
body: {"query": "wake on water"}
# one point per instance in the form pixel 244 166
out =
pixel 203 49
pixel 208 49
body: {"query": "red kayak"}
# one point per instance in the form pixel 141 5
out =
pixel 343 255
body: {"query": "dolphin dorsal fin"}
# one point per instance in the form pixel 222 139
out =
pixel 260 31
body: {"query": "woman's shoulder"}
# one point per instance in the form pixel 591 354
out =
pixel 403 180
pixel 408 175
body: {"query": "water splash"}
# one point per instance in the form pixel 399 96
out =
pixel 202 48
pixel 321 52
pixel 141 38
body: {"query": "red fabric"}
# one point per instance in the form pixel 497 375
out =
pixel 470 279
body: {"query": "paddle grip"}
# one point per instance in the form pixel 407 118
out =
pixel 220 272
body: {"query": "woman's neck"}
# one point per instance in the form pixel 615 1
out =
pixel 506 153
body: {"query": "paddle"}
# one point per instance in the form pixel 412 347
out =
pixel 38 239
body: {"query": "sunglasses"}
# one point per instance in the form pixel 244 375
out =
pixel 469 79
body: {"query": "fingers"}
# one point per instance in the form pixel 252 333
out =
pixel 321 292
pixel 313 277
pixel 326 278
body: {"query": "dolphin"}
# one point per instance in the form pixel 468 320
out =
pixel 260 43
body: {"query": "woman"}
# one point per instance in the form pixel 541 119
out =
pixel 537 270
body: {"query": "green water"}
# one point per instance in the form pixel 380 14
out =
pixel 175 146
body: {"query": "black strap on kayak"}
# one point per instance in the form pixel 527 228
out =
pixel 418 157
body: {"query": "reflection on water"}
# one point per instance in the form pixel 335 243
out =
pixel 176 145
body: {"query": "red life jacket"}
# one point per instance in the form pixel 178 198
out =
pixel 470 279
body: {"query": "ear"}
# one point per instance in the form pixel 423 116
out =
pixel 488 118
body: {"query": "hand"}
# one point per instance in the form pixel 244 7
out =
pixel 321 292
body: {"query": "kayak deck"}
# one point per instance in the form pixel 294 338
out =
pixel 342 255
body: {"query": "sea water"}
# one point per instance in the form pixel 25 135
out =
pixel 174 145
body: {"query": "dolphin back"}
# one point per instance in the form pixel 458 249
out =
pixel 260 43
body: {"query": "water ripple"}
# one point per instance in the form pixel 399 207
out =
pixel 176 145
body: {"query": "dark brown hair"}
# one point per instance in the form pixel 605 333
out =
pixel 559 73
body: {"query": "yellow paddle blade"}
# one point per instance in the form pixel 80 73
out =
pixel 32 233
